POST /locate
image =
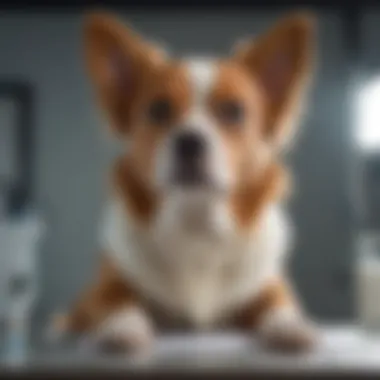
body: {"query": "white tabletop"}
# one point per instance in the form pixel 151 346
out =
pixel 340 348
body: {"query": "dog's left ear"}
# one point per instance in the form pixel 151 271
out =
pixel 281 63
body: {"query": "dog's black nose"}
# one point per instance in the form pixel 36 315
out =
pixel 189 145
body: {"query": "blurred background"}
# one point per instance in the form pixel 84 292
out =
pixel 54 152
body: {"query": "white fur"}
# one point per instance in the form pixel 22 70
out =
pixel 129 325
pixel 202 74
pixel 279 321
pixel 202 272
pixel 285 325
pixel 192 259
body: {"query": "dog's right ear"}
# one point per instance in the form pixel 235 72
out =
pixel 118 60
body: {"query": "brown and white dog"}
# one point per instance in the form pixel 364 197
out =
pixel 195 231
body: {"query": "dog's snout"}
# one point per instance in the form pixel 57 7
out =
pixel 189 145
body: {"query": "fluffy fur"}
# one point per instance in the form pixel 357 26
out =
pixel 213 254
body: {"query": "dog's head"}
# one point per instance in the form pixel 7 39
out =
pixel 200 123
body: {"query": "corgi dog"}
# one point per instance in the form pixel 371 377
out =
pixel 196 233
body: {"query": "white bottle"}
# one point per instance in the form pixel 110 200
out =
pixel 24 233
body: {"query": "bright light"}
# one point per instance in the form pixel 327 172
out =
pixel 368 121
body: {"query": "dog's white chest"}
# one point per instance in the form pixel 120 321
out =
pixel 198 258
pixel 194 263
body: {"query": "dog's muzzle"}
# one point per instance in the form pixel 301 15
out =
pixel 189 159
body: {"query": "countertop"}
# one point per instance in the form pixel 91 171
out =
pixel 343 349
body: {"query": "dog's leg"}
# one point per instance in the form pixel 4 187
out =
pixel 108 315
pixel 278 320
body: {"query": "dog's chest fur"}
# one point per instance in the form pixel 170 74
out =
pixel 192 260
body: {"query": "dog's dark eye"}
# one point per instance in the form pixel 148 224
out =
pixel 160 111
pixel 230 112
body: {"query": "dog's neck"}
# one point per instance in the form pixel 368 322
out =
pixel 246 204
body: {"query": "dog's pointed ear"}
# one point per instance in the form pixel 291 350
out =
pixel 281 63
pixel 117 60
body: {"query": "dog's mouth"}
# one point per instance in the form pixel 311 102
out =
pixel 193 175
pixel 190 176
pixel 196 181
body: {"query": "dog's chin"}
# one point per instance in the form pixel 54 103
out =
pixel 197 184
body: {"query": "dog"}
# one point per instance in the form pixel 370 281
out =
pixel 196 233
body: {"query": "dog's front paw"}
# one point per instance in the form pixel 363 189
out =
pixel 127 331
pixel 287 331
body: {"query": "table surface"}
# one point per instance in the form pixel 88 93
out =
pixel 344 348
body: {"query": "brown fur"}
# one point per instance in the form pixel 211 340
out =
pixel 112 51
pixel 291 40
pixel 138 199
pixel 169 82
pixel 269 99
pixel 249 202
pixel 110 292
pixel 107 294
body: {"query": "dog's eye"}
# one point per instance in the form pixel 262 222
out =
pixel 230 112
pixel 160 111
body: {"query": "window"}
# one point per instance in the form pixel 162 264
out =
pixel 368 116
